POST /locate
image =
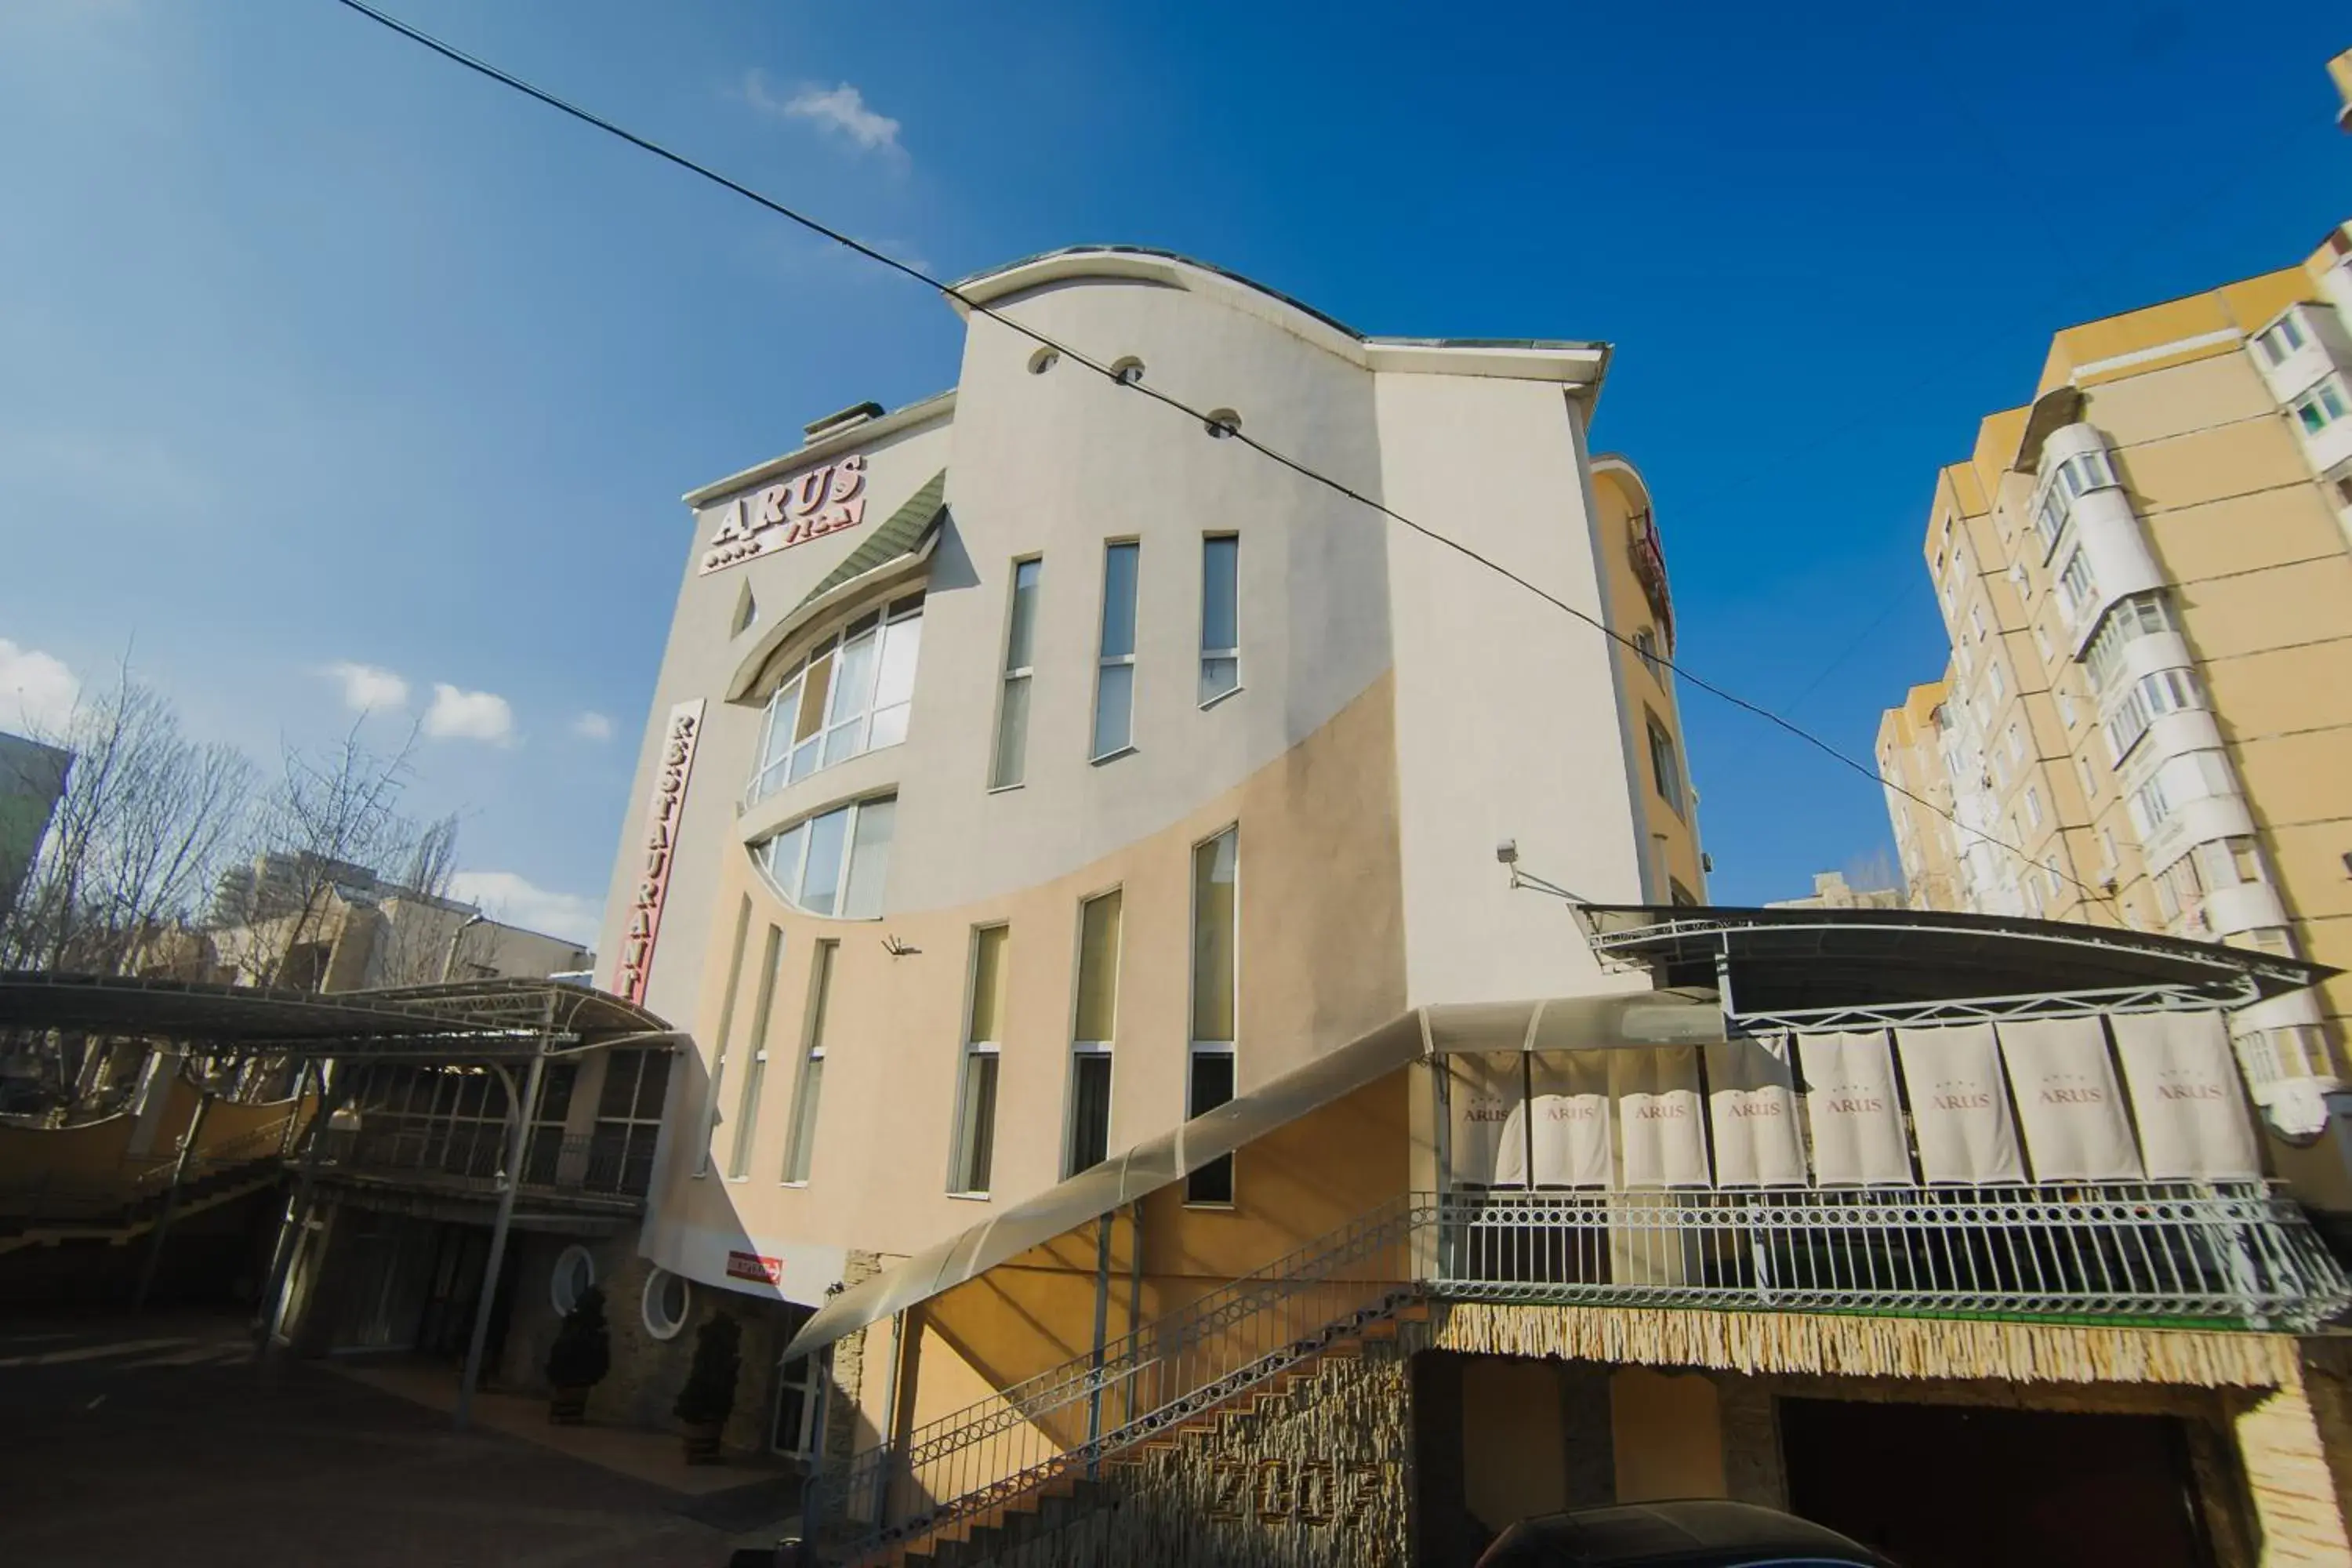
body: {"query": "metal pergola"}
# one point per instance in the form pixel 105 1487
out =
pixel 497 1024
pixel 1807 969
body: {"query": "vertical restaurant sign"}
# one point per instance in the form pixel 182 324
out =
pixel 662 812
pixel 824 500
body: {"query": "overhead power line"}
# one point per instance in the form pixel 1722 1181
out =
pixel 950 291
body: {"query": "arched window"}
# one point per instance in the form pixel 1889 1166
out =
pixel 850 694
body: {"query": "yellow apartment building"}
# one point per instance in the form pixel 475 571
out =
pixel 2145 720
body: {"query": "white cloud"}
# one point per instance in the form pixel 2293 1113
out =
pixel 593 726
pixel 367 689
pixel 468 716
pixel 841 111
pixel 516 899
pixel 36 690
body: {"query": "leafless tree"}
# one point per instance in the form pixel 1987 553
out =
pixel 145 822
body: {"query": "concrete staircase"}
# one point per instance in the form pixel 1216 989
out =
pixel 1068 1520
pixel 138 1213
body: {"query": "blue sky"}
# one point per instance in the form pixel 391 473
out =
pixel 317 355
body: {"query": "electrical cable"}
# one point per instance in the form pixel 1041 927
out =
pixel 950 291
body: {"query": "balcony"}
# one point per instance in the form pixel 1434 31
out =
pixel 2181 1253
pixel 605 1170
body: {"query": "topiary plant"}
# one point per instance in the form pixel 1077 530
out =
pixel 709 1397
pixel 582 1351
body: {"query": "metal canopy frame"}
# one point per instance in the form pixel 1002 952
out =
pixel 1811 965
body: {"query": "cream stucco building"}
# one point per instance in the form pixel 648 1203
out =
pixel 2144 578
pixel 996 699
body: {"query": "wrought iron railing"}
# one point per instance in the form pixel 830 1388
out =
pixel 469 1156
pixel 2231 1253
pixel 2223 1254
pixel 1065 1421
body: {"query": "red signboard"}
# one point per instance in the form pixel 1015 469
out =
pixel 662 812
pixel 752 1266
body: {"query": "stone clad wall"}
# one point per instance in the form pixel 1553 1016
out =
pixel 1310 1476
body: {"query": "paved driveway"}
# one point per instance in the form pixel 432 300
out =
pixel 157 1442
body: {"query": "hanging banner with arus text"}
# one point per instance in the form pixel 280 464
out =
pixel 662 815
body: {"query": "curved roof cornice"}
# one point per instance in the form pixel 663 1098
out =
pixel 1570 361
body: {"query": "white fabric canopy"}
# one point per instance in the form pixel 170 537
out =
pixel 1852 1109
pixel 1488 1119
pixel 1751 1103
pixel 2068 1100
pixel 1569 1117
pixel 2184 1093
pixel 1658 1129
pixel 1959 1107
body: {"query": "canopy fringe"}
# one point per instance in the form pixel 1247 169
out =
pixel 1871 1347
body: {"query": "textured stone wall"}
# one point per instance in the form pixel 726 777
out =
pixel 647 1371
pixel 1313 1476
pixel 845 1369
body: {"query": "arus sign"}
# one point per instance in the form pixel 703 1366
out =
pixel 807 506
pixel 677 761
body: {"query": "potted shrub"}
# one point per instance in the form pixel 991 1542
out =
pixel 579 1359
pixel 709 1397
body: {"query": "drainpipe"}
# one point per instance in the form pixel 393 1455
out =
pixel 1102 1323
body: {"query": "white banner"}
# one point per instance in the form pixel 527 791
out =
pixel 2068 1100
pixel 1959 1108
pixel 1656 1091
pixel 1752 1102
pixel 2184 1091
pixel 1852 1109
pixel 1488 1126
pixel 1570 1113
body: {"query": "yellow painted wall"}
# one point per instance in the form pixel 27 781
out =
pixel 1621 496
pixel 1668 1434
pixel 1514 1455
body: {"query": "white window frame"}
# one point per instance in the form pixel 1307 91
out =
pixel 1087 1049
pixel 789 888
pixel 800 1138
pixel 2327 399
pixel 961 1142
pixel 755 1061
pixel 655 1279
pixel 1016 678
pixel 2281 339
pixel 2032 806
pixel 564 1262
pixel 1198 1046
pixel 1209 655
pixel 888 624
pixel 1665 763
pixel 1106 661
pixel 711 1102
pixel 2077 586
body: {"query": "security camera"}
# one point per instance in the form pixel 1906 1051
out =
pixel 1507 851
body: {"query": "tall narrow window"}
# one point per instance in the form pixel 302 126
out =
pixel 1090 1044
pixel 975 1136
pixel 755 1061
pixel 1666 768
pixel 1115 663
pixel 809 1086
pixel 726 1026
pixel 1221 637
pixel 628 1120
pixel 1013 703
pixel 1215 867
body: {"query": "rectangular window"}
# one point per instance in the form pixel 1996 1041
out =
pixel 2090 776
pixel 808 1089
pixel 975 1130
pixel 2032 806
pixel 1999 681
pixel 1092 1033
pixel 628 1120
pixel 1013 701
pixel 1114 661
pixel 1221 650
pixel 1215 954
pixel 726 1026
pixel 2280 341
pixel 2075 583
pixel 835 864
pixel 755 1064
pixel 1666 769
pixel 2016 744
pixel 1976 621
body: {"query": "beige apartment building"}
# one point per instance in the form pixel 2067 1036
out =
pixel 2146 718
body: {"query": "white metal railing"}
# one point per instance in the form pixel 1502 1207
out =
pixel 2233 1253
pixel 2238 1254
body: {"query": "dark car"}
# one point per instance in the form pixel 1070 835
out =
pixel 1699 1533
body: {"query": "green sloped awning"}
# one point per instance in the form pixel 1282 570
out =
pixel 900 534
